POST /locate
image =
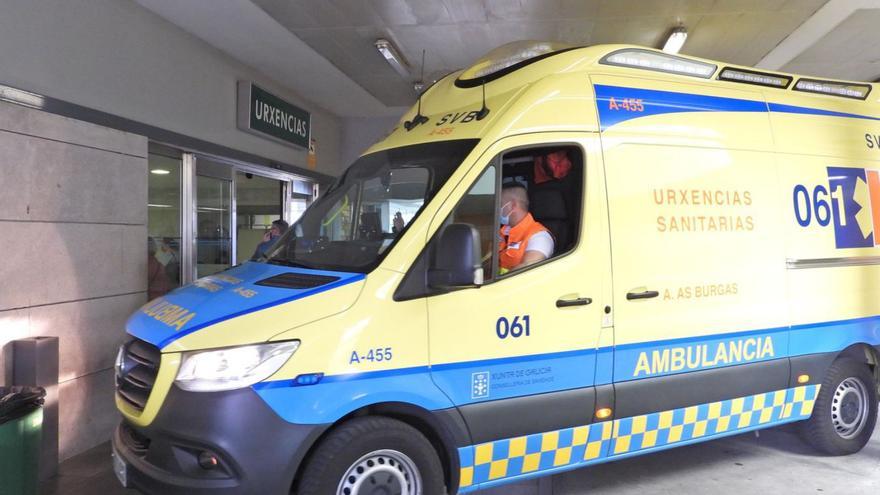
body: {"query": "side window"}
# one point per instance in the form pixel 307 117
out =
pixel 531 214
pixel 540 202
pixel 527 208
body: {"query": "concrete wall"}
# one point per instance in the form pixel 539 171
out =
pixel 359 133
pixel 73 248
pixel 116 56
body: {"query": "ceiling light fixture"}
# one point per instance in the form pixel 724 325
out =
pixel 25 98
pixel 159 171
pixel 392 56
pixel 676 40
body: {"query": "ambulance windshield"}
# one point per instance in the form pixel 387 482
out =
pixel 357 221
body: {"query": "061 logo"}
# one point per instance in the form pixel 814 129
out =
pixel 851 202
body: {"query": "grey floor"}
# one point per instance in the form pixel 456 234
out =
pixel 774 462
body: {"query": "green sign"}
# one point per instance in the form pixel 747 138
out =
pixel 262 113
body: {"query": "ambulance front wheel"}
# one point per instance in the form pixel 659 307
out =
pixel 845 410
pixel 373 456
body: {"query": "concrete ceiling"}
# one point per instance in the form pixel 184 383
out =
pixel 323 49
pixel 838 41
pixel 454 33
pixel 248 34
pixel 848 50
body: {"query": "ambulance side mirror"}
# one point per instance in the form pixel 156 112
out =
pixel 455 259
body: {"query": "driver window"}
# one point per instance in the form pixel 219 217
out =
pixel 539 209
pixel 531 213
pixel 477 208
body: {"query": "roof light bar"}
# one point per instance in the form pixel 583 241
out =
pixel 507 58
pixel 392 56
pixel 514 57
pixel 754 77
pixel 676 40
pixel 662 62
pixel 847 90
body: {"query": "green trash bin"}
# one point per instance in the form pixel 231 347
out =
pixel 21 428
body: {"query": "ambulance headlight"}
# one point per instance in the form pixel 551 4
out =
pixel 232 368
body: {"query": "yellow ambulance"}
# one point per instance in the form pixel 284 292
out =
pixel 560 257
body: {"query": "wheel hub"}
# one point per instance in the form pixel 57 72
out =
pixel 382 472
pixel 849 411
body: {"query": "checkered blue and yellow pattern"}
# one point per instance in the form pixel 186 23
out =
pixel 533 453
pixel 706 420
pixel 509 458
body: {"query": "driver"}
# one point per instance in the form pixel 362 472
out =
pixel 522 240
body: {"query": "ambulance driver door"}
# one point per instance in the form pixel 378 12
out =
pixel 518 354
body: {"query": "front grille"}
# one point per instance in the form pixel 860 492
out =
pixel 137 374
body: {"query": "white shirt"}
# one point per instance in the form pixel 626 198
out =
pixel 541 242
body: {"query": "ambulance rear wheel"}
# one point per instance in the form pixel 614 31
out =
pixel 845 410
pixel 373 456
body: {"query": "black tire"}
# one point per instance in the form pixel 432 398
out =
pixel 836 403
pixel 350 442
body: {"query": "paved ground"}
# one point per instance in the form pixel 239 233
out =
pixel 775 462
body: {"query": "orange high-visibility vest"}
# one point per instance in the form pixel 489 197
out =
pixel 513 241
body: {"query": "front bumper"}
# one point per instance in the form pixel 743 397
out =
pixel 258 452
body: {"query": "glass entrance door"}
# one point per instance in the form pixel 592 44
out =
pixel 234 206
pixel 163 220
pixel 259 201
pixel 213 223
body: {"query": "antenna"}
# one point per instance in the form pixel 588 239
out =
pixel 419 118
pixel 422 72
pixel 483 111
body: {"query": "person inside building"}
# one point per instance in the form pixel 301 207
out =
pixel 157 279
pixel 279 227
pixel 523 240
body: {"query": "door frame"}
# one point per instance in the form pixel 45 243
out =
pixel 188 210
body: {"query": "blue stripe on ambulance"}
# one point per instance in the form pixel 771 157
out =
pixel 335 396
pixel 658 102
pixel 780 108
pixel 208 300
pixel 641 360
pixel 834 336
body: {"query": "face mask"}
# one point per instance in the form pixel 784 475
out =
pixel 505 219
